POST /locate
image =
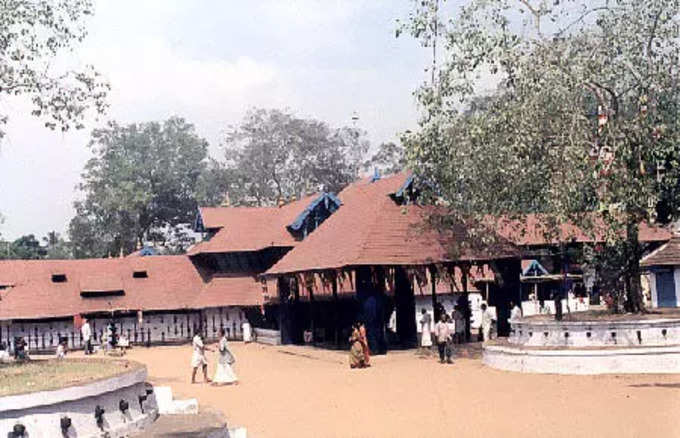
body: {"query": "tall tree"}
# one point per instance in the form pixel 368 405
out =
pixel 56 247
pixel 274 154
pixel 32 35
pixel 389 158
pixel 25 248
pixel 583 125
pixel 140 185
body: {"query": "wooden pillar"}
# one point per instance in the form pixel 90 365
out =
pixel 406 308
pixel 509 270
pixel 433 281
pixel 336 316
pixel 310 291
pixel 467 312
pixel 285 311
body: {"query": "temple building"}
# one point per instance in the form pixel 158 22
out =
pixel 303 271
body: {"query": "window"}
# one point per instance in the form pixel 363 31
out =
pixel 140 274
pixel 101 293
pixel 58 278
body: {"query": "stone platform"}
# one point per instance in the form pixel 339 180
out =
pixel 126 405
pixel 644 346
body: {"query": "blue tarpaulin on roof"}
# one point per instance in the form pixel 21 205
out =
pixel 329 200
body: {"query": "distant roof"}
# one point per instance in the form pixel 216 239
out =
pixel 250 228
pixel 666 255
pixel 371 229
pixel 532 232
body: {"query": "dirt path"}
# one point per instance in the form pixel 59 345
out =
pixel 302 392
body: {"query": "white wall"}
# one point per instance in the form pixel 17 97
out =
pixel 448 301
pixel 162 327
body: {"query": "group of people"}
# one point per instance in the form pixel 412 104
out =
pixel 224 374
pixel 359 353
pixel 449 330
pixel 110 338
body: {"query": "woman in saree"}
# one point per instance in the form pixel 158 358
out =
pixel 364 344
pixel 224 375
pixel 357 359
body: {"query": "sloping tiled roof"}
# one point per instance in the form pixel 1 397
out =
pixel 229 290
pixel 250 228
pixel 172 283
pixel 666 255
pixel 533 231
pixel 370 229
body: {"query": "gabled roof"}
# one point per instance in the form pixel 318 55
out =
pixel 250 228
pixel 533 268
pixel 330 202
pixel 666 255
pixel 370 229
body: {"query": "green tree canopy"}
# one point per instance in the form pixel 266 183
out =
pixel 274 155
pixel 32 35
pixel 535 144
pixel 26 247
pixel 143 183
pixel 389 158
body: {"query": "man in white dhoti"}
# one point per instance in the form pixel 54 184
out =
pixel 86 335
pixel 426 329
pixel 247 332
pixel 487 321
pixel 224 374
pixel 198 358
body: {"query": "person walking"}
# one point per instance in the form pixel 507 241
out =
pixel 86 335
pixel 426 328
pixel 198 358
pixel 487 322
pixel 224 374
pixel 443 335
pixel 247 331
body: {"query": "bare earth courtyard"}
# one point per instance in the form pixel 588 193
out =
pixel 305 392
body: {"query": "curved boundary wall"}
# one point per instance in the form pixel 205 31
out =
pixel 41 412
pixel 637 360
pixel 578 334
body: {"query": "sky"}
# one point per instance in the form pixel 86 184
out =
pixel 209 62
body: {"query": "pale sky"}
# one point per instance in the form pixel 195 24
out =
pixel 209 62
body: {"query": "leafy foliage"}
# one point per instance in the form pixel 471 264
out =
pixel 56 247
pixel 32 35
pixel 274 155
pixel 26 248
pixel 142 184
pixel 389 158
pixel 534 144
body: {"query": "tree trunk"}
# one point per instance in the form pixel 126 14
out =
pixel 634 290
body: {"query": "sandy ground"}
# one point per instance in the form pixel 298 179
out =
pixel 304 392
